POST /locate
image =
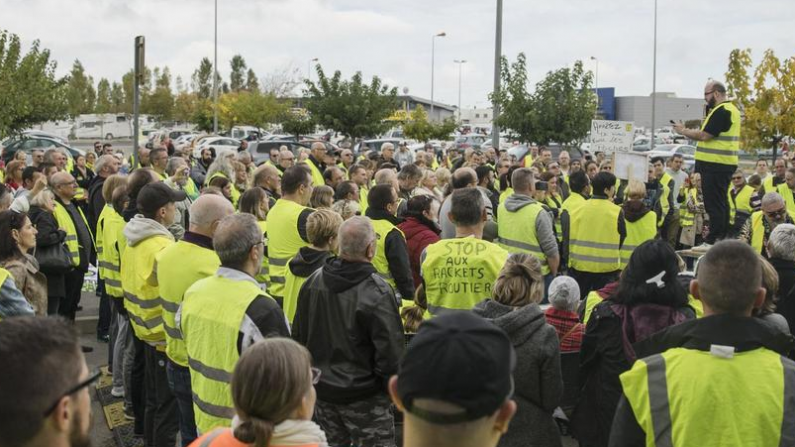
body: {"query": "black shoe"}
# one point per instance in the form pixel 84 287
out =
pixel 86 349
pixel 103 338
pixel 79 308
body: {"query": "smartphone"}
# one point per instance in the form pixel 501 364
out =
pixel 542 186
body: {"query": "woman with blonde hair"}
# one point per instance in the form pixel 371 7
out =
pixel 428 185
pixel 274 396
pixel 640 221
pixel 538 380
pixel 443 176
pixel 322 197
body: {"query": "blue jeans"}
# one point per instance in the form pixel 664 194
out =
pixel 179 382
pixel 547 281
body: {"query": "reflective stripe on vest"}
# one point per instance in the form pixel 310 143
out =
pixel 317 174
pixel 283 220
pixel 594 239
pixel 787 195
pixel 517 231
pixel 460 273
pixel 722 148
pixel 64 220
pixel 108 233
pixel 210 328
pixel 179 267
pixel 382 228
pixel 141 299
pixel 674 395
pixel 757 231
pixel 740 203
pixel 638 232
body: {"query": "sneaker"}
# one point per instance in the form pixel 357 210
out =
pixel 105 338
pixel 117 392
pixel 128 414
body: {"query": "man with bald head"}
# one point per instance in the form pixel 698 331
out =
pixel 178 267
pixel 345 297
pixel 316 162
pixel 78 240
pixel 466 178
pixel 286 160
pixel 268 178
pixel 716 156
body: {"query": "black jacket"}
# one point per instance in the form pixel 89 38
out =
pixel 47 236
pixel 397 254
pixel 786 289
pixel 96 201
pixel 743 333
pixel 307 261
pixel 347 316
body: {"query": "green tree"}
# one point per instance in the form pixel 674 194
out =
pixel 516 103
pixel 185 106
pixel 127 92
pixel 768 101
pixel 252 84
pixel 443 129
pixel 352 108
pixel 203 79
pixel 30 93
pixel 251 108
pixel 417 127
pixel 104 101
pixel 160 101
pixel 298 124
pixel 237 78
pixel 203 114
pixel 117 98
pixel 81 95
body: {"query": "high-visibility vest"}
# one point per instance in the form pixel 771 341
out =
pixel 594 239
pixel 363 199
pixel 665 206
pixel 687 218
pixel 292 286
pixel 572 202
pixel 556 203
pixel 460 273
pixel 109 225
pixel 758 231
pixel 179 266
pixel 516 231
pixel 741 203
pixel 638 232
pixel 65 221
pixel 283 220
pixel 224 437
pixel 591 300
pixel 787 194
pixel 697 305
pixel 505 194
pixel 722 148
pixel 767 184
pixel 191 190
pixel 235 192
pixel 263 276
pixel 317 174
pixel 141 299
pixel 686 397
pixel 382 228
pixel 212 312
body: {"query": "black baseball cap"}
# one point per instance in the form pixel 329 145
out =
pixel 461 359
pixel 157 195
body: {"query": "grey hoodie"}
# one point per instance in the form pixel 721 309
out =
pixel 544 230
pixel 140 228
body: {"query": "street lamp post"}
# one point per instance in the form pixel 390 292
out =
pixel 215 74
pixel 495 129
pixel 596 85
pixel 309 69
pixel 433 56
pixel 460 63
pixel 654 80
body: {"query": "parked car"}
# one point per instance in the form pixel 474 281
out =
pixel 221 144
pixel 375 145
pixel 519 152
pixel 466 141
pixel 687 152
pixel 30 143
pixel 643 144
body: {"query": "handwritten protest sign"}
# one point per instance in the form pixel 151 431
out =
pixel 612 136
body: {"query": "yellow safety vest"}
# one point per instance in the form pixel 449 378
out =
pixel 505 194
pixel 723 148
pixel 557 204
pixel 767 185
pixel 264 277
pixel 317 174
pixel 787 194
pixel 574 201
pixel 686 218
pixel 686 397
pixel 235 192
pixel 179 266
pixel 697 305
pixel 141 298
pixel 363 200
pixel 65 221
pixel 212 312
pixel 382 228
pixel 664 205
pixel 757 231
pixel 516 231
pixel 283 220
pixel 459 273
pixel 638 232
pixel 591 300
pixel 109 225
pixel 594 240
pixel 292 287
pixel 741 203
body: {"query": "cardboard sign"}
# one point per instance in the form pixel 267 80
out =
pixel 631 166
pixel 612 136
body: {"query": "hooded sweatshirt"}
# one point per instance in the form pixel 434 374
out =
pixel 341 275
pixel 140 228
pixel 307 261
pixel 545 232
pixel 634 210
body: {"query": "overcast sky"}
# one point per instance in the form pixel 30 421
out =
pixel 392 38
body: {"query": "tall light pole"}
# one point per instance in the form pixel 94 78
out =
pixel 433 56
pixel 309 69
pixel 596 85
pixel 460 63
pixel 654 79
pixel 495 129
pixel 215 74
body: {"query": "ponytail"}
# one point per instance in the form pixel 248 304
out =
pixel 520 281
pixel 254 431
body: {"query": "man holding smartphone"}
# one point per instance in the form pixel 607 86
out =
pixel 716 156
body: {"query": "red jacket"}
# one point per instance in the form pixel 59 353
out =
pixel 418 236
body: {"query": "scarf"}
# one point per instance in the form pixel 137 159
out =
pixel 293 432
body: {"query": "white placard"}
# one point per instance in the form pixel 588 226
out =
pixel 631 166
pixel 612 136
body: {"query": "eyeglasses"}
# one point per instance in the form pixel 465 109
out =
pixel 709 93
pixel 72 183
pixel 91 379
pixel 776 214
pixel 737 178
pixel 315 375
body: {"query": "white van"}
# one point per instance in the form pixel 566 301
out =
pixel 103 126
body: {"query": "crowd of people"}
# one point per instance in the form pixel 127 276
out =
pixel 399 297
